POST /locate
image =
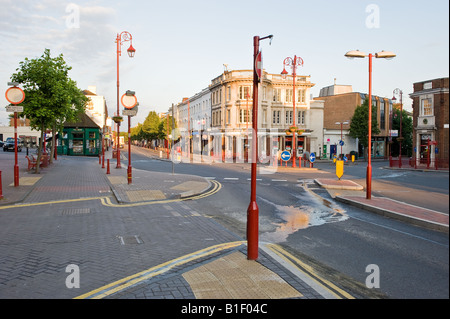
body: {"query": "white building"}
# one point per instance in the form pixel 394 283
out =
pixel 222 115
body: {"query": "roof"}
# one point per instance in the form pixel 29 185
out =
pixel 83 121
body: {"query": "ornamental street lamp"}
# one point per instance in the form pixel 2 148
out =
pixel 293 63
pixel 400 137
pixel 122 37
pixel 383 55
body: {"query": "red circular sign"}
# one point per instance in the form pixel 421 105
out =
pixel 15 95
pixel 128 101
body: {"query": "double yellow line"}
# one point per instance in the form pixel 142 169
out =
pixel 106 201
pixel 309 272
pixel 135 279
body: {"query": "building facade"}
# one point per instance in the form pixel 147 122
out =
pixel 431 122
pixel 339 106
pixel 232 113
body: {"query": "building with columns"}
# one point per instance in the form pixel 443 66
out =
pixel 229 100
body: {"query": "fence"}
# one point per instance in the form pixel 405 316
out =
pixel 419 163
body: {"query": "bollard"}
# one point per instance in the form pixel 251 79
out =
pixel 99 159
pixel 103 161
pixel 107 166
pixel 1 192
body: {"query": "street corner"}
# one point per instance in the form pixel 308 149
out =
pixel 149 186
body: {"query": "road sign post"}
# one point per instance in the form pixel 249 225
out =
pixel 129 101
pixel 15 96
pixel 312 158
pixel 253 210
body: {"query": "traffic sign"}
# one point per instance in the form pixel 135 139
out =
pixel 128 101
pixel 15 95
pixel 341 143
pixel 258 65
pixel 286 156
pixel 312 157
pixel 345 159
pixel 14 108
pixel 339 169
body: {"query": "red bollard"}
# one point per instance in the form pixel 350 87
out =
pixel 1 192
pixel 99 159
pixel 103 161
pixel 107 167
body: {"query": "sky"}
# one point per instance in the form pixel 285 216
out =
pixel 181 45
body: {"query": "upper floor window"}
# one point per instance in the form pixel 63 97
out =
pixel 289 95
pixel 244 92
pixel 276 95
pixel 426 107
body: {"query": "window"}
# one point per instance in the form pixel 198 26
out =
pixel 228 116
pixel 301 117
pixel 276 117
pixel 382 114
pixel 244 116
pixel 301 96
pixel 288 117
pixel 276 95
pixel 244 92
pixel 228 93
pixel 264 93
pixel 426 107
pixel 289 95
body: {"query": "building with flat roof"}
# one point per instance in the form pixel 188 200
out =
pixel 431 122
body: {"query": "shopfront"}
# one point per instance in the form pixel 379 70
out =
pixel 82 138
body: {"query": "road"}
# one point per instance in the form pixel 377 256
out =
pixel 338 240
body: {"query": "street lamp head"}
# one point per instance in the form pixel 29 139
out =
pixel 355 54
pixel 284 73
pixel 385 55
pixel 131 51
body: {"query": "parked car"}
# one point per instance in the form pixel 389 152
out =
pixel 9 145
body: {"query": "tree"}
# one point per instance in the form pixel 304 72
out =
pixel 51 97
pixel 359 125
pixel 407 132
pixel 151 126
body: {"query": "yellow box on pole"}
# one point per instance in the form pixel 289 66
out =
pixel 339 168
pixel 353 158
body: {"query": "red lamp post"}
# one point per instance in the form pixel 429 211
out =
pixel 253 210
pixel 122 37
pixel 384 55
pixel 293 63
pixel 400 137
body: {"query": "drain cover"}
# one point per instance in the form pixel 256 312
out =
pixel 130 240
pixel 75 211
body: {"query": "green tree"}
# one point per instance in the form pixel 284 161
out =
pixel 359 125
pixel 407 133
pixel 151 126
pixel 51 97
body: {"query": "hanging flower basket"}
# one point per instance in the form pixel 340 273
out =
pixel 288 132
pixel 292 128
pixel 300 132
pixel 117 119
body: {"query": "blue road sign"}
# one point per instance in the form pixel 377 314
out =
pixel 341 143
pixel 312 157
pixel 286 156
pixel 345 159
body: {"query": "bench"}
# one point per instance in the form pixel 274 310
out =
pixel 31 162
